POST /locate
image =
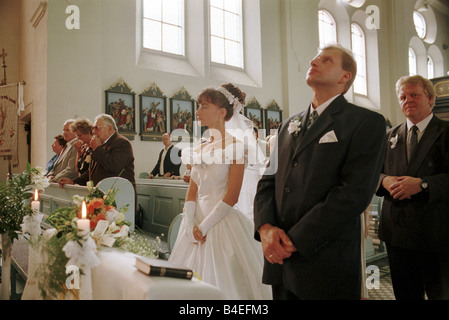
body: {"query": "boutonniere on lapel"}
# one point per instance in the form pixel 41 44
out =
pixel 394 141
pixel 294 126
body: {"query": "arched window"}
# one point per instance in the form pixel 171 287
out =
pixel 359 51
pixel 327 28
pixel 420 24
pixel 163 25
pixel 412 62
pixel 226 32
pixel 430 67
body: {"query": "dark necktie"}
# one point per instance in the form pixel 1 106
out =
pixel 312 118
pixel 413 140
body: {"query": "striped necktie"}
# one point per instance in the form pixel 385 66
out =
pixel 312 119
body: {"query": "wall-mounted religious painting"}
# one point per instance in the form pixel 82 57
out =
pixel 120 104
pixel 182 114
pixel 254 112
pixel 153 114
pixel 273 117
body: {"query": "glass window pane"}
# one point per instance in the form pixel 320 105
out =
pixel 231 26
pixel 163 25
pixel 430 68
pixel 152 35
pixel 226 32
pixel 217 3
pixel 420 24
pixel 171 41
pixel 216 22
pixel 172 12
pixel 358 49
pixel 232 6
pixel 327 28
pixel 233 54
pixel 217 50
pixel 152 9
pixel 412 62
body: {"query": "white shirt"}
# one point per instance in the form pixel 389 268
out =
pixel 320 109
pixel 422 125
pixel 161 166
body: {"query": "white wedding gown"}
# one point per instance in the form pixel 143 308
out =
pixel 230 258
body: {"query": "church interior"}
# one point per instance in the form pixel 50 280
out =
pixel 76 58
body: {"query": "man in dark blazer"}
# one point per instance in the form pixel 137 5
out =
pixel 415 184
pixel 171 160
pixel 307 215
pixel 112 154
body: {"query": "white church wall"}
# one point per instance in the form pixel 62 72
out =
pixel 84 62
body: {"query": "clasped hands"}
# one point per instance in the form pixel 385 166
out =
pixel 402 187
pixel 198 235
pixel 276 244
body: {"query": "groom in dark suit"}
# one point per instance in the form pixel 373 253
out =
pixel 307 215
pixel 415 184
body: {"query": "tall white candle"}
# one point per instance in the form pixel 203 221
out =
pixel 35 205
pixel 83 224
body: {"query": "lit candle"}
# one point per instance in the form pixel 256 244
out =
pixel 35 205
pixel 83 224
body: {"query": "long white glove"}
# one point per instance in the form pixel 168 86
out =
pixel 218 213
pixel 189 217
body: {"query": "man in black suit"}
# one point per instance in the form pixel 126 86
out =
pixel 169 160
pixel 415 184
pixel 307 215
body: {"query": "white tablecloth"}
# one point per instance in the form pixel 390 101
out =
pixel 116 278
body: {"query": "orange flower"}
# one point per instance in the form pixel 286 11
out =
pixel 93 222
pixel 97 203
pixel 101 216
pixel 90 209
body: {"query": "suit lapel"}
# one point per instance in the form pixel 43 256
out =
pixel 294 141
pixel 400 150
pixel 431 134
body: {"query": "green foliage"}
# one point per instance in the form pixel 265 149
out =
pixel 15 198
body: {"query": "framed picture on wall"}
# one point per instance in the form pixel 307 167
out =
pixel 120 104
pixel 254 112
pixel 153 114
pixel 182 108
pixel 273 117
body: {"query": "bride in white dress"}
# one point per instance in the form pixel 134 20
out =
pixel 215 239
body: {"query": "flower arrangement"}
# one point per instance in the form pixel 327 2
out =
pixel 108 228
pixel 15 198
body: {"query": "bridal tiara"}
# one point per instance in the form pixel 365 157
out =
pixel 232 100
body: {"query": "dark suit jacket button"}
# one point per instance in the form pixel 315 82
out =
pixel 295 164
pixel 287 190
